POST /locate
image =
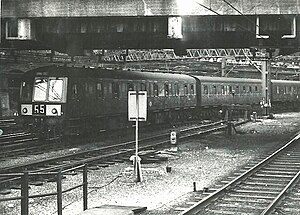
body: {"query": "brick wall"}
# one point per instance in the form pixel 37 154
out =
pixel 48 8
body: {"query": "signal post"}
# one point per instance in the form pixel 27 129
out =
pixel 137 111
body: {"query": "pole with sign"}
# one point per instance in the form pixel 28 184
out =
pixel 137 111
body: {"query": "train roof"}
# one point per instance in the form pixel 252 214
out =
pixel 226 80
pixel 285 82
pixel 66 71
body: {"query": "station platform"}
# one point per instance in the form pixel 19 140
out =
pixel 113 210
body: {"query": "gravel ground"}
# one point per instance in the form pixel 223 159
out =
pixel 205 160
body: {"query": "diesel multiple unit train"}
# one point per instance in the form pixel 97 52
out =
pixel 72 100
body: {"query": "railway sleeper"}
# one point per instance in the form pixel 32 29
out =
pixel 250 196
pixel 256 201
pixel 256 191
pixel 223 212
pixel 262 188
pixel 238 207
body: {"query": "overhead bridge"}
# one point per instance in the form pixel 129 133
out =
pixel 81 26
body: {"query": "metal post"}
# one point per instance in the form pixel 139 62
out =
pixel 59 193
pixel 137 162
pixel 24 194
pixel 223 66
pixel 266 86
pixel 85 187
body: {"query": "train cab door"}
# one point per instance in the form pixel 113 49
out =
pixel 76 100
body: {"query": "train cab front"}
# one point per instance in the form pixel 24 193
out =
pixel 43 101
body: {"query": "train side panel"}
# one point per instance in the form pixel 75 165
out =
pixel 218 91
pixel 285 95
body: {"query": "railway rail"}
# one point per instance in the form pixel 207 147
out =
pixel 104 156
pixel 259 190
pixel 8 125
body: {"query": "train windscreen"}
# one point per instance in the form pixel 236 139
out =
pixel 50 89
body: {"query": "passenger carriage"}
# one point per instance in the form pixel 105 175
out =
pixel 80 100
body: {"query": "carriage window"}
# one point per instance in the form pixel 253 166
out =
pixel 40 89
pixel 143 87
pixel 176 88
pixel 171 93
pixel 74 91
pixel 115 90
pixel 155 89
pixel 256 88
pixel 237 89
pixel 205 89
pixel 150 90
pixel 167 89
pixel 230 89
pixel 214 89
pixel 192 89
pixel 130 87
pixel 223 90
pixel 100 92
pixel 250 89
pixel 186 91
pixel 56 90
pixel 244 89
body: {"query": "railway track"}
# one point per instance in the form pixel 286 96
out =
pixel 262 189
pixel 104 156
pixel 9 125
pixel 14 145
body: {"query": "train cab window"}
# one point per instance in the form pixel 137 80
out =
pixel 100 90
pixel 26 91
pixel 12 28
pixel 116 90
pixel 155 89
pixel 176 89
pixel 186 90
pixel 167 92
pixel 40 89
pixel 205 89
pixel 50 89
pixel 56 87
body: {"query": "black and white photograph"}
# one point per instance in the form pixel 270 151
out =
pixel 149 107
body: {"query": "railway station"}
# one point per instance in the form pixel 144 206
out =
pixel 146 107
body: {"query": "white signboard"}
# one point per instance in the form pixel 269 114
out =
pixel 137 105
